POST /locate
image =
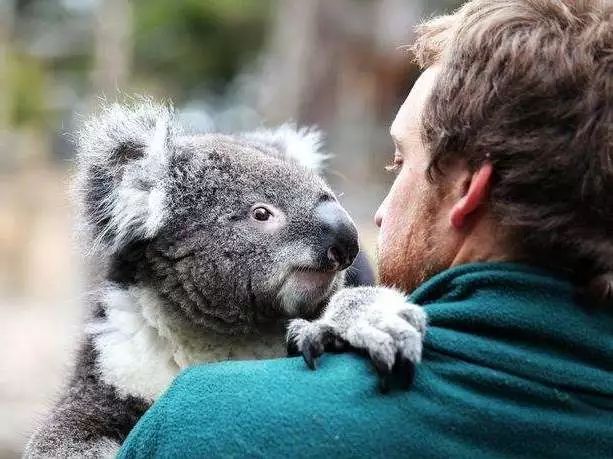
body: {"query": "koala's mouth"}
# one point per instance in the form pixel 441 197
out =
pixel 313 278
pixel 305 288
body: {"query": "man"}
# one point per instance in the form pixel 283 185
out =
pixel 500 222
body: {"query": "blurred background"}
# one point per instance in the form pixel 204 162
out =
pixel 228 65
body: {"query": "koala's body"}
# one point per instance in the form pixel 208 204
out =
pixel 207 244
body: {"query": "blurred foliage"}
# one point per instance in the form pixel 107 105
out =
pixel 197 45
pixel 184 50
pixel 25 78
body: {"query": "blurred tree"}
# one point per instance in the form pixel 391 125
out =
pixel 25 84
pixel 6 23
pixel 192 47
pixel 21 77
pixel 113 46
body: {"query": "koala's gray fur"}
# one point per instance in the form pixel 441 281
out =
pixel 188 275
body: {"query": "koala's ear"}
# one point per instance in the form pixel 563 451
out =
pixel 302 145
pixel 122 160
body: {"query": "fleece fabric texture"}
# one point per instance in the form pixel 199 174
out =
pixel 513 366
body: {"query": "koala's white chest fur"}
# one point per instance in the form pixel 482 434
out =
pixel 141 350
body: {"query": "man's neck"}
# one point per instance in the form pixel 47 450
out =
pixel 485 241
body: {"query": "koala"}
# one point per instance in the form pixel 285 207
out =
pixel 205 245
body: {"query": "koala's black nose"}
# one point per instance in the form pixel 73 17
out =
pixel 339 236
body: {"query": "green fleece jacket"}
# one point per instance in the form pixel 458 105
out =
pixel 513 366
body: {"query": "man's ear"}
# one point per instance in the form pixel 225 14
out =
pixel 122 173
pixel 301 145
pixel 475 196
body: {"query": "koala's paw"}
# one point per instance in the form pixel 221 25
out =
pixel 374 320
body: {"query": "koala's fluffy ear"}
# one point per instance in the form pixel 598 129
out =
pixel 302 145
pixel 122 160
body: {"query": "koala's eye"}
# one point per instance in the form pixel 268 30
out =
pixel 264 217
pixel 261 214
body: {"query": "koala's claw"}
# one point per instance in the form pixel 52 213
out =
pixel 292 348
pixel 407 372
pixel 310 351
pixel 309 339
pixel 385 374
pixel 377 321
pixel 403 369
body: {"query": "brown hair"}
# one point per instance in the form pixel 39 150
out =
pixel 528 86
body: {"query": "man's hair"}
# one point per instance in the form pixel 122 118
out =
pixel 528 86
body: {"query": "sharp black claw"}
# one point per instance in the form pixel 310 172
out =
pixel 407 372
pixel 308 357
pixel 292 348
pixel 384 372
pixel 310 351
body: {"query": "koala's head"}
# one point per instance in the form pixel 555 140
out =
pixel 230 230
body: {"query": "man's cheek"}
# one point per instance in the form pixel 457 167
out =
pixel 390 236
pixel 383 239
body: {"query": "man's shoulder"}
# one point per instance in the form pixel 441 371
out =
pixel 273 407
pixel 512 367
pixel 283 391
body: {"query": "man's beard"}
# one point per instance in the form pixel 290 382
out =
pixel 415 256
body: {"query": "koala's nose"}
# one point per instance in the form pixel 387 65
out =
pixel 339 236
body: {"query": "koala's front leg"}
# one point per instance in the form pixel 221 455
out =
pixel 91 419
pixel 376 320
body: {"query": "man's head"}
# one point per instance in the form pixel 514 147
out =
pixel 505 142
